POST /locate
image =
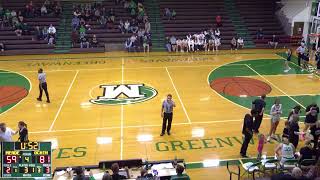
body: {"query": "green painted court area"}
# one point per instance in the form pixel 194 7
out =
pixel 262 68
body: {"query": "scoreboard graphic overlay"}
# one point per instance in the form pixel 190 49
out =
pixel 26 159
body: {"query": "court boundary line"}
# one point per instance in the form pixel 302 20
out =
pixel 63 101
pixel 275 86
pixel 129 68
pixel 174 87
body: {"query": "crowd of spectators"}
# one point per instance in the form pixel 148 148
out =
pixel 17 20
pixel 139 27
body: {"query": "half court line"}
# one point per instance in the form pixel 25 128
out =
pixel 63 101
pixel 121 124
pixel 184 109
pixel 275 86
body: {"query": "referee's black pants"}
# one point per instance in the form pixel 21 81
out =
pixel 244 147
pixel 166 117
pixel 299 59
pixel 257 123
pixel 43 87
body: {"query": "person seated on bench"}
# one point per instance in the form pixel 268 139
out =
pixel 274 41
pixel 180 176
pixel 115 172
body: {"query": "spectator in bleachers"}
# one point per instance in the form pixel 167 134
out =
pixel 110 23
pixel 18 29
pixel 140 34
pixel 97 14
pixel 127 26
pixel 285 150
pixel 51 40
pixel 173 42
pixel 180 175
pixel 260 34
pixel 74 38
pixel 274 41
pixel 218 21
pixel 84 42
pixel 38 33
pixel 134 28
pixel 94 41
pixel 103 21
pixel 128 45
pixel 77 13
pixel 43 10
pixel 147 26
pixel 115 172
pixel 173 14
pixel 75 22
pixel 307 152
pixel 45 33
pixel 121 26
pixel 2 46
pixel 167 13
pixel 52 30
pixel 112 15
pixel 240 43
pixel 82 30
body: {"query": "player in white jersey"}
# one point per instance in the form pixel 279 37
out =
pixel 285 150
pixel 217 43
pixel 179 42
pixel 191 45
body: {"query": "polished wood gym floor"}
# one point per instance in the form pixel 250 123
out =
pixel 206 126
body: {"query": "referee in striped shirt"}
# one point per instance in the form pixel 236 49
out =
pixel 43 85
pixel 167 114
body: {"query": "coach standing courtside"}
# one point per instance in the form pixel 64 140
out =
pixel 259 106
pixel 247 131
pixel 43 85
pixel 166 114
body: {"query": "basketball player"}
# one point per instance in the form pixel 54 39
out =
pixel 258 105
pixel 285 150
pixel 286 62
pixel 166 114
pixel 276 111
pixel 42 85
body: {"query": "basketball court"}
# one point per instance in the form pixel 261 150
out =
pixel 212 94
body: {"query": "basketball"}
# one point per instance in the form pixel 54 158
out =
pixel 240 86
pixel 11 94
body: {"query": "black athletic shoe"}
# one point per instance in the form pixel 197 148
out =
pixel 243 155
pixel 161 134
pixel 169 133
pixel 48 101
pixel 39 99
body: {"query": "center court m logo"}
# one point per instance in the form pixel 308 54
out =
pixel 122 94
